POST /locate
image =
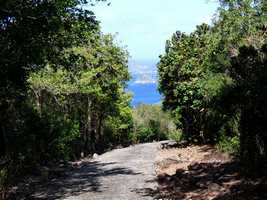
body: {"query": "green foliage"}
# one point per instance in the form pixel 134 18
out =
pixel 229 135
pixel 175 135
pixel 184 81
pixel 229 144
pixel 61 146
pixel 151 123
pixel 62 91
pixel 213 81
pixel 89 93
pixel 117 128
pixel 249 72
pixel 33 35
pixel 142 134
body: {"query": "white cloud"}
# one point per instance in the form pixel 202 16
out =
pixel 139 69
pixel 145 79
pixel 143 74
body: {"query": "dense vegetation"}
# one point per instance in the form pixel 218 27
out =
pixel 214 81
pixel 62 86
pixel 151 123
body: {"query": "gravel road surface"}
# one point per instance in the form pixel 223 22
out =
pixel 121 174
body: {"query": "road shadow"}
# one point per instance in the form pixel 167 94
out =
pixel 77 180
pixel 148 192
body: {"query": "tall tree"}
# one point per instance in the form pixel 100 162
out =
pixel 212 79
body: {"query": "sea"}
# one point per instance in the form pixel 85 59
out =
pixel 144 93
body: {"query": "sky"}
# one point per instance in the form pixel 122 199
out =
pixel 143 26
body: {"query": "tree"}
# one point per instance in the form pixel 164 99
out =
pixel 249 73
pixel 212 80
pixel 62 82
pixel 33 33
pixel 89 91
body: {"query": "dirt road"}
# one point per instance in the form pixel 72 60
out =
pixel 121 174
pixel 192 172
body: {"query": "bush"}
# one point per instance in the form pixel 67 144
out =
pixel 175 135
pixel 65 137
pixel 4 181
pixel 143 134
pixel 228 144
pixel 151 123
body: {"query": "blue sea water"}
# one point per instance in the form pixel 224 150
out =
pixel 144 93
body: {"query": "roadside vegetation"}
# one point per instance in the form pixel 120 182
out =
pixel 63 87
pixel 62 91
pixel 213 81
pixel 151 123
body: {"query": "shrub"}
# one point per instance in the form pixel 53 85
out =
pixel 175 135
pixel 151 123
pixel 228 144
pixel 4 181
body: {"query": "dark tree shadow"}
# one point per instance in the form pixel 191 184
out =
pixel 77 180
pixel 218 181
pixel 149 192
pixel 246 190
pixel 200 178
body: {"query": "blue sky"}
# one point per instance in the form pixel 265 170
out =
pixel 143 26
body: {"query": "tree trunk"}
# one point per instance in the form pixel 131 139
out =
pixel 39 101
pixel 93 131
pixel 100 133
pixel 87 128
